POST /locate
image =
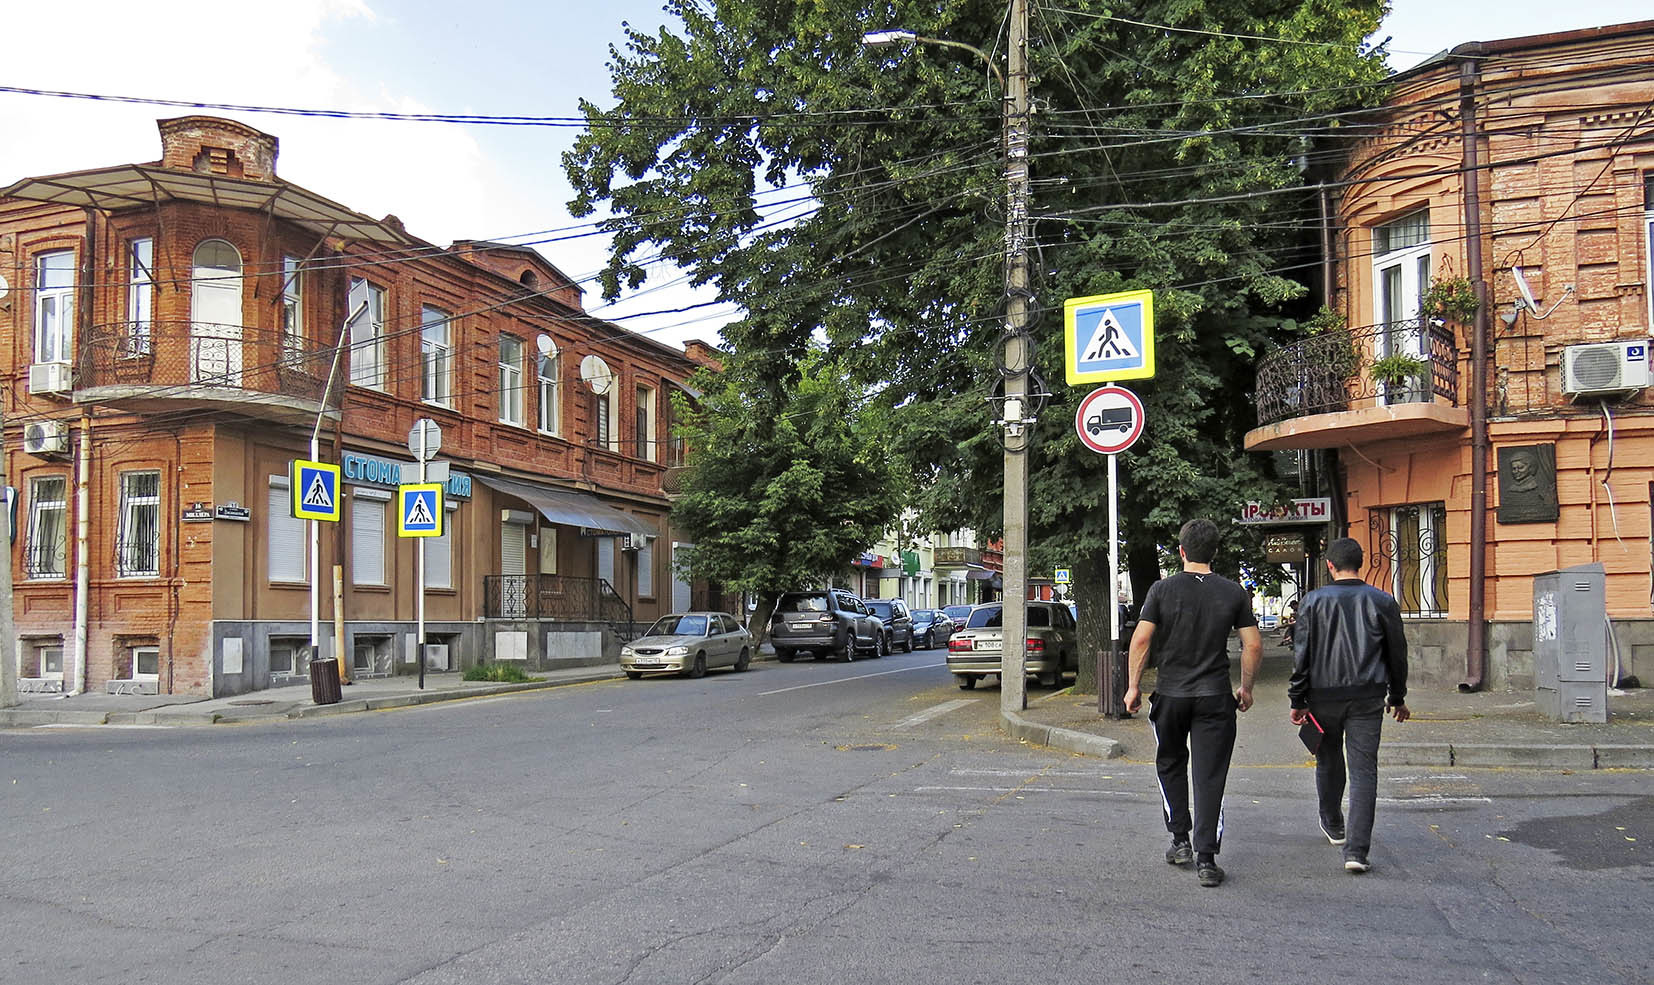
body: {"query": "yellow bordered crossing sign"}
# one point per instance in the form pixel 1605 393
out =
pixel 315 489
pixel 1109 337
pixel 419 510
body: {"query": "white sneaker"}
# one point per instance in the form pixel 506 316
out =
pixel 1357 864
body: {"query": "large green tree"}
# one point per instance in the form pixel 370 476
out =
pixel 787 479
pixel 856 196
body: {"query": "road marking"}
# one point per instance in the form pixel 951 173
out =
pixel 1116 793
pixel 1023 773
pixel 846 680
pixel 1432 776
pixel 933 712
pixel 1432 800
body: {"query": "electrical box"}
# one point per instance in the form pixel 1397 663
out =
pixel 1570 643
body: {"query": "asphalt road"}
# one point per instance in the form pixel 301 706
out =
pixel 802 823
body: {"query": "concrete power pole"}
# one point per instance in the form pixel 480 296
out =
pixel 1017 417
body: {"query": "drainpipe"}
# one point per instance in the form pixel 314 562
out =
pixel 83 560
pixel 1475 658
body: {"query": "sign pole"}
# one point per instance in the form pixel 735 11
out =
pixel 316 571
pixel 1111 686
pixel 419 581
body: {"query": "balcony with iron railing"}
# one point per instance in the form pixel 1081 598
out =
pixel 563 598
pixel 1376 383
pixel 164 366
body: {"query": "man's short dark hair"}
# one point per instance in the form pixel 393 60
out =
pixel 1345 554
pixel 1199 540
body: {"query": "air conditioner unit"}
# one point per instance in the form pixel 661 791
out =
pixel 1599 368
pixel 45 437
pixel 50 378
pixel 436 656
pixel 634 542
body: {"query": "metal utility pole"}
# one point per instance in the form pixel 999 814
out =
pixel 8 633
pixel 1017 418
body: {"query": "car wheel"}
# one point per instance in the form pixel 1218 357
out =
pixel 1049 680
pixel 966 682
pixel 698 668
pixel 881 646
pixel 785 656
pixel 633 675
pixel 848 650
pixel 743 661
pixel 930 641
pixel 908 647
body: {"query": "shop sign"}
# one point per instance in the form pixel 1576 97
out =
pixel 1317 510
pixel 1284 548
pixel 957 556
pixel 365 470
pixel 198 512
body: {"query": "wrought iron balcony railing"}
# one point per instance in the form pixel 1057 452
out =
pixel 561 597
pixel 182 358
pixel 1335 371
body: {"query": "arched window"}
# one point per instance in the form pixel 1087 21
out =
pixel 529 280
pixel 215 314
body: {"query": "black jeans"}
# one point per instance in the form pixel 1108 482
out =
pixel 1349 751
pixel 1197 732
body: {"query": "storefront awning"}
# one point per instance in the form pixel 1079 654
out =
pixel 572 508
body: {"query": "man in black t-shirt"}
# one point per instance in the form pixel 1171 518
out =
pixel 1185 622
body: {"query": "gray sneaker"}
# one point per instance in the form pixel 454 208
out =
pixel 1181 852
pixel 1334 832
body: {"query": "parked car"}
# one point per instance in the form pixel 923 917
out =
pixel 930 625
pixel 958 613
pixel 690 644
pixel 828 622
pixel 898 623
pixel 1052 646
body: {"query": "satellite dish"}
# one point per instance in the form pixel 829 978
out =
pixel 595 373
pixel 1522 286
pixel 544 344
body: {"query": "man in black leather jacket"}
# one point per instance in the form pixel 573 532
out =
pixel 1349 662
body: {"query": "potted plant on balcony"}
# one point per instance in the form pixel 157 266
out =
pixel 1451 299
pixel 1397 369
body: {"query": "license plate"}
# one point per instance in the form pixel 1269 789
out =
pixel 986 645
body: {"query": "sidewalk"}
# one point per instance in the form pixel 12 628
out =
pixel 276 703
pixel 1488 728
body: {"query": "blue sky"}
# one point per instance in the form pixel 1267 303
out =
pixel 446 182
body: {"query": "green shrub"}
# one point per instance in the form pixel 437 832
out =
pixel 499 673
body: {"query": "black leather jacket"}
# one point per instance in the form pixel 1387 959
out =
pixel 1348 643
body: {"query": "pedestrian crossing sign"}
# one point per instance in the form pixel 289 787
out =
pixel 1109 337
pixel 419 510
pixel 315 487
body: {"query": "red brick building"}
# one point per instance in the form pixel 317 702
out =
pixel 1525 166
pixel 170 334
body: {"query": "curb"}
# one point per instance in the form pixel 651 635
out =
pixel 1068 740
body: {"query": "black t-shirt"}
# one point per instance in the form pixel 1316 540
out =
pixel 1193 616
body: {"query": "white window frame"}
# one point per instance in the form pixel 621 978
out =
pixel 281 527
pixel 548 371
pixel 368 510
pixel 140 297
pixel 645 413
pixel 40 505
pixel 646 569
pixel 436 356
pixel 54 309
pixel 132 654
pixel 1407 266
pixel 439 553
pixel 138 536
pixel 292 308
pixel 367 334
pixel 40 647
pixel 1648 245
pixel 511 381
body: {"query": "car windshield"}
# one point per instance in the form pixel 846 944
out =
pixel 878 608
pixel 678 626
pixel 802 603
pixel 957 611
pixel 992 617
pixel 924 615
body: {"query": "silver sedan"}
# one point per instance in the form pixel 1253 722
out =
pixel 688 644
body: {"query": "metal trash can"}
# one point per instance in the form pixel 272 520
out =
pixel 324 682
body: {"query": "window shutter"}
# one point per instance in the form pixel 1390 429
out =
pixel 367 541
pixel 513 551
pixel 606 559
pixel 287 546
pixel 439 556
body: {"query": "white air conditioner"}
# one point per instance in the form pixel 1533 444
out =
pixel 1599 368
pixel 634 542
pixel 50 378
pixel 45 437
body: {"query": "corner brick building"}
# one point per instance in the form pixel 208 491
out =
pixel 171 331
pixel 1561 163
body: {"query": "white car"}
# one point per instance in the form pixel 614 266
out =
pixel 688 644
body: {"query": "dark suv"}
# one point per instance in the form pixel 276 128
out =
pixel 829 622
pixel 898 623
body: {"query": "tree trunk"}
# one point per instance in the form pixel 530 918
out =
pixel 1094 594
pixel 1143 561
pixel 759 624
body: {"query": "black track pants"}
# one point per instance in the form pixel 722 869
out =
pixel 1194 735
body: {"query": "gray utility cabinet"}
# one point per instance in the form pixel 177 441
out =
pixel 1570 643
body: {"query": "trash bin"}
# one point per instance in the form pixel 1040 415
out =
pixel 324 682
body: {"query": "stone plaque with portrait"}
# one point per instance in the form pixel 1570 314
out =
pixel 1527 484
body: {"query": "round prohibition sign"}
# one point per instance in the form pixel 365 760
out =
pixel 1110 420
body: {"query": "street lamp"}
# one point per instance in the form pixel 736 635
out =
pixel 1016 414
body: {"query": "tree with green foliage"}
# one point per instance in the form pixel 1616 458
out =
pixel 787 480
pixel 856 196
